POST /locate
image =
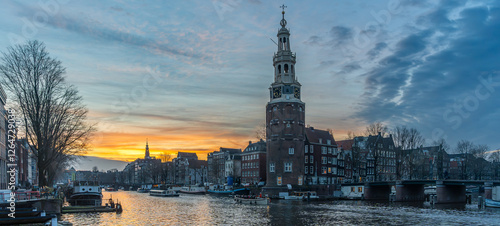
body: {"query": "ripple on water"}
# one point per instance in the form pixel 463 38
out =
pixel 142 209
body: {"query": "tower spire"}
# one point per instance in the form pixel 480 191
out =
pixel 283 21
pixel 147 150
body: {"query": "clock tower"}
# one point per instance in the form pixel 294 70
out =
pixel 285 118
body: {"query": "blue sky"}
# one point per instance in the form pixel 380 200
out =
pixel 194 75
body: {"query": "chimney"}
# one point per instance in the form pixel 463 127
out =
pixel 249 142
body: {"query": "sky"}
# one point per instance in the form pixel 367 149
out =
pixel 194 75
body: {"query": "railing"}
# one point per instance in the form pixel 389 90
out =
pixel 21 196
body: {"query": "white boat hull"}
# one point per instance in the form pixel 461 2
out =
pixel 492 203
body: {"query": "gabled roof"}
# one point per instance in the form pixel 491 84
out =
pixel 313 135
pixel 187 155
pixel 345 144
pixel 230 150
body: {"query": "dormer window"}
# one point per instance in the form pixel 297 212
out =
pixel 320 140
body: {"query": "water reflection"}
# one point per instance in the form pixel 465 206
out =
pixel 142 209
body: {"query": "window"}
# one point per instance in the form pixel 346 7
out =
pixel 311 148
pixel 329 150
pixel 288 167
pixel 353 189
pixel 323 170
pixel 306 170
pixel 257 156
pixel 286 68
pixel 323 150
pixel 329 142
pixel 279 68
pixel 271 167
pixel 311 169
pixel 312 159
pixel 329 160
pixel 305 149
pixel 320 140
pixel 278 180
pixel 291 150
pixel 293 71
pixel 323 160
pixel 307 159
pixel 360 189
pixel 329 169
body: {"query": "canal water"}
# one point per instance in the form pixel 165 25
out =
pixel 142 209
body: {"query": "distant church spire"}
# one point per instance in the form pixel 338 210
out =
pixel 147 150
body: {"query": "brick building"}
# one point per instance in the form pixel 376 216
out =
pixel 320 157
pixel 253 163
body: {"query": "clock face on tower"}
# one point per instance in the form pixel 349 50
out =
pixel 276 92
pixel 296 92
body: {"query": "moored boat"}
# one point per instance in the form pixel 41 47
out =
pixel 193 190
pixel 86 193
pixel 227 192
pixel 163 193
pixel 142 190
pixel 492 203
pixel 302 195
pixel 245 199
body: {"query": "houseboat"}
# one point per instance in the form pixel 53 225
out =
pixel 302 195
pixel 193 190
pixel 245 199
pixel 163 193
pixel 227 191
pixel 85 193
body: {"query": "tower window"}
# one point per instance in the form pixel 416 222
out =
pixel 271 167
pixel 291 151
pixel 293 71
pixel 286 68
pixel 279 69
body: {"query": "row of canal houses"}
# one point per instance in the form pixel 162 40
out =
pixel 326 161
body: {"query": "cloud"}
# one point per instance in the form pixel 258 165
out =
pixel 95 29
pixel 375 51
pixel 424 77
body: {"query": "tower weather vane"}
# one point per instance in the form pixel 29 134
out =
pixel 283 7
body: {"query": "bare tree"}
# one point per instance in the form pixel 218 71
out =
pixel 479 162
pixel 465 149
pixel 407 138
pixel 53 113
pixel 165 157
pixel 351 135
pixel 375 128
pixel 260 131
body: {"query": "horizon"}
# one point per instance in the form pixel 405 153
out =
pixel 195 77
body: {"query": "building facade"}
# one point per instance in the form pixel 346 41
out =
pixel 377 157
pixel 217 164
pixel 320 157
pixel 253 163
pixel 285 118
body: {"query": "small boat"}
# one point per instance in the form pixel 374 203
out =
pixel 492 203
pixel 193 190
pixel 86 193
pixel 302 195
pixel 164 193
pixel 245 199
pixel 110 189
pixel 142 190
pixel 238 191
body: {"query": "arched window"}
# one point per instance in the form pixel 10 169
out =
pixel 292 69
pixel 286 68
pixel 279 69
pixel 284 43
